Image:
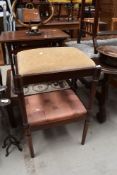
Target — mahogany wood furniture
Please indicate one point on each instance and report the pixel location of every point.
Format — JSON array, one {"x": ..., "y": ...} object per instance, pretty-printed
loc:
[
  {"x": 70, "y": 4},
  {"x": 69, "y": 26},
  {"x": 114, "y": 24},
  {"x": 93, "y": 26},
  {"x": 108, "y": 10},
  {"x": 108, "y": 62},
  {"x": 63, "y": 25},
  {"x": 19, "y": 40},
  {"x": 58, "y": 107},
  {"x": 61, "y": 21}
]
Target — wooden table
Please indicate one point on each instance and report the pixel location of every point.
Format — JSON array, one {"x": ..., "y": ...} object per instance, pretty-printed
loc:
[
  {"x": 109, "y": 72},
  {"x": 20, "y": 40}
]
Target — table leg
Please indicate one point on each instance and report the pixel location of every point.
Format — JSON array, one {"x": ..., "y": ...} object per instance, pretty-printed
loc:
[{"x": 102, "y": 97}]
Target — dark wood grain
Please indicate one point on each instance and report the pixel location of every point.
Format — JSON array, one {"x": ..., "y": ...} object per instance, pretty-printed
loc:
[
  {"x": 110, "y": 72},
  {"x": 21, "y": 40},
  {"x": 46, "y": 34}
]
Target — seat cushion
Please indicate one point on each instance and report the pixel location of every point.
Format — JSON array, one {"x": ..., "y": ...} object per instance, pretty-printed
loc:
[
  {"x": 58, "y": 59},
  {"x": 52, "y": 107}
]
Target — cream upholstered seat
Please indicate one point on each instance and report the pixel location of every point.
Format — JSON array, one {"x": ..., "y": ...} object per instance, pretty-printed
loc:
[{"x": 57, "y": 59}]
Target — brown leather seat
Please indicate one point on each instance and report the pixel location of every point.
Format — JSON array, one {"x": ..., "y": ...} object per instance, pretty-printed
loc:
[{"x": 53, "y": 107}]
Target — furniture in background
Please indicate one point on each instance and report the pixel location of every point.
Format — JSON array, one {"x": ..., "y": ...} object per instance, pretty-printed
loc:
[
  {"x": 72, "y": 8},
  {"x": 6, "y": 24},
  {"x": 108, "y": 62},
  {"x": 58, "y": 107},
  {"x": 108, "y": 10},
  {"x": 19, "y": 40},
  {"x": 114, "y": 24},
  {"x": 91, "y": 28},
  {"x": 65, "y": 17}
]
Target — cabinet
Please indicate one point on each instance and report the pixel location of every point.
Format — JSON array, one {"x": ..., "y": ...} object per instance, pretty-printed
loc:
[{"x": 108, "y": 10}]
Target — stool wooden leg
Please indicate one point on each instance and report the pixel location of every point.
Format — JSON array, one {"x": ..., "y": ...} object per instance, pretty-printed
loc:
[
  {"x": 86, "y": 124},
  {"x": 30, "y": 143},
  {"x": 102, "y": 99}
]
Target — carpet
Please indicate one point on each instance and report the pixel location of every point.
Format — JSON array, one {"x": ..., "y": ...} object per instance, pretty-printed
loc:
[{"x": 87, "y": 45}]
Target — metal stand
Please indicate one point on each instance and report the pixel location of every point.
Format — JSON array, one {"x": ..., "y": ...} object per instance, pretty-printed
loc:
[{"x": 10, "y": 139}]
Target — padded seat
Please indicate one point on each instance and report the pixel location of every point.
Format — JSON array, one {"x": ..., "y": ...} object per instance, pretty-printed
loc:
[
  {"x": 57, "y": 59},
  {"x": 53, "y": 107}
]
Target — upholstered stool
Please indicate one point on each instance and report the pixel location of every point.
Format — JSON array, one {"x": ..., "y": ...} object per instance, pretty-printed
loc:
[
  {"x": 52, "y": 59},
  {"x": 57, "y": 107}
]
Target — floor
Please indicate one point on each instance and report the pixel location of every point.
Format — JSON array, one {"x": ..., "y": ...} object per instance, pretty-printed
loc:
[{"x": 58, "y": 150}]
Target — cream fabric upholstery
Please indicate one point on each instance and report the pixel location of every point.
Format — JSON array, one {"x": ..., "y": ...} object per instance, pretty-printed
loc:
[{"x": 52, "y": 59}]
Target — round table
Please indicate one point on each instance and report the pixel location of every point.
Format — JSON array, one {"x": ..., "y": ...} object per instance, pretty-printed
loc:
[{"x": 108, "y": 62}]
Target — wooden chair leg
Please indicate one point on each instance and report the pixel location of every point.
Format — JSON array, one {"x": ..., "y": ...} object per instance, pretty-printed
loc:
[
  {"x": 30, "y": 143},
  {"x": 79, "y": 36},
  {"x": 86, "y": 124},
  {"x": 95, "y": 45}
]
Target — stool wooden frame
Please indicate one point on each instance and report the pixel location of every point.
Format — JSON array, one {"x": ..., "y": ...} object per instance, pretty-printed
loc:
[{"x": 24, "y": 80}]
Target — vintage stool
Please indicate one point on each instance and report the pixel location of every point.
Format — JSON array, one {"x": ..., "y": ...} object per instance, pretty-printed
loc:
[{"x": 108, "y": 62}]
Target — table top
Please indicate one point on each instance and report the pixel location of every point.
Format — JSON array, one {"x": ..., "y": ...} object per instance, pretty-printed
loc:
[
  {"x": 46, "y": 34},
  {"x": 110, "y": 51}
]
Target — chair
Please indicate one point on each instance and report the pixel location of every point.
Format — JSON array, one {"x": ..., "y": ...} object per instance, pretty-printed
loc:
[
  {"x": 62, "y": 9},
  {"x": 57, "y": 107},
  {"x": 91, "y": 27}
]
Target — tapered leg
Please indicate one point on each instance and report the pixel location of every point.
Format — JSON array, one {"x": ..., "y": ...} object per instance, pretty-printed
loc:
[
  {"x": 95, "y": 45},
  {"x": 86, "y": 124},
  {"x": 30, "y": 143},
  {"x": 102, "y": 97}
]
